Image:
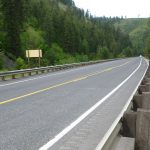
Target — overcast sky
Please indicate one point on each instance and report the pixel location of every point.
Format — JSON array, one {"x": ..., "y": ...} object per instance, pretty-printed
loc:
[{"x": 128, "y": 8}]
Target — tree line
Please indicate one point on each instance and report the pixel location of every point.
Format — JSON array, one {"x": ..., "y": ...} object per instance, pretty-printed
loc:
[
  {"x": 147, "y": 41},
  {"x": 64, "y": 32}
]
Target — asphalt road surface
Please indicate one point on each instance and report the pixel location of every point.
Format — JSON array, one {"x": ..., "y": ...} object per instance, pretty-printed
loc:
[{"x": 66, "y": 110}]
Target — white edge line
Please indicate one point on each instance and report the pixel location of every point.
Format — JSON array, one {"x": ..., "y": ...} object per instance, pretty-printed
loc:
[
  {"x": 111, "y": 129},
  {"x": 83, "y": 116}
]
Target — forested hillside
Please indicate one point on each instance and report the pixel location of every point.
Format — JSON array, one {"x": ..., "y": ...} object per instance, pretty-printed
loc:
[
  {"x": 137, "y": 30},
  {"x": 147, "y": 41},
  {"x": 64, "y": 32}
]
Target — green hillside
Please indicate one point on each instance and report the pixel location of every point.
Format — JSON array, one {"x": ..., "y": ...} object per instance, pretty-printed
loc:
[
  {"x": 137, "y": 30},
  {"x": 65, "y": 33}
]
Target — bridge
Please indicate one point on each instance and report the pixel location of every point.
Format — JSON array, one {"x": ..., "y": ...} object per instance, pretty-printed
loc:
[{"x": 73, "y": 109}]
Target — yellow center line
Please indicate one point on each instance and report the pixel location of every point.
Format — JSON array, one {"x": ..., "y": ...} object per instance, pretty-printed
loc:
[
  {"x": 106, "y": 70},
  {"x": 61, "y": 84}
]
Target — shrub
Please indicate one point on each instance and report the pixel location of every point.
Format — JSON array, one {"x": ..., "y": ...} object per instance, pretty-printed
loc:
[
  {"x": 81, "y": 58},
  {"x": 20, "y": 63},
  {"x": 103, "y": 53},
  {"x": 55, "y": 54}
]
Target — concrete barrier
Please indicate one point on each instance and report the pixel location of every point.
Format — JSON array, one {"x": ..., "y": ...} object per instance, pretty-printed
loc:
[
  {"x": 125, "y": 143},
  {"x": 144, "y": 88},
  {"x": 141, "y": 101},
  {"x": 137, "y": 102},
  {"x": 136, "y": 123},
  {"x": 128, "y": 124},
  {"x": 146, "y": 80},
  {"x": 142, "y": 129}
]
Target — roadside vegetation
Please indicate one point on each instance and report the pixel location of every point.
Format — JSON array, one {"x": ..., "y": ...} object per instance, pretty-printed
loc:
[{"x": 65, "y": 33}]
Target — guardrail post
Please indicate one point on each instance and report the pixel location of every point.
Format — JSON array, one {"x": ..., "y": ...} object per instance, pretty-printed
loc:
[
  {"x": 13, "y": 76},
  {"x": 30, "y": 73},
  {"x": 3, "y": 78},
  {"x": 37, "y": 72},
  {"x": 22, "y": 74}
]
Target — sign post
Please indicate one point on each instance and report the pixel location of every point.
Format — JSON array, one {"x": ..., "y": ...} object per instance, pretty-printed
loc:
[
  {"x": 28, "y": 58},
  {"x": 34, "y": 54}
]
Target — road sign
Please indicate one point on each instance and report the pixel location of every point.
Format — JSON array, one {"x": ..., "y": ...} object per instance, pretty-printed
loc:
[{"x": 34, "y": 54}]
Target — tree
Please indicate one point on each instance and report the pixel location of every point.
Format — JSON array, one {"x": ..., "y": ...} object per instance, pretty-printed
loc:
[
  {"x": 85, "y": 46},
  {"x": 127, "y": 52},
  {"x": 147, "y": 49},
  {"x": 32, "y": 39},
  {"x": 61, "y": 22},
  {"x": 69, "y": 35},
  {"x": 14, "y": 16},
  {"x": 68, "y": 2},
  {"x": 1, "y": 61},
  {"x": 49, "y": 30}
]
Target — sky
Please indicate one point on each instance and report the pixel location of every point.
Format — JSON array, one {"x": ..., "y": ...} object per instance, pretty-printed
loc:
[{"x": 125, "y": 8}]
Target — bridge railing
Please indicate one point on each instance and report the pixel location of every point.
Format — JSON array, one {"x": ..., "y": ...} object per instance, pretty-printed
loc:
[
  {"x": 131, "y": 129},
  {"x": 34, "y": 71}
]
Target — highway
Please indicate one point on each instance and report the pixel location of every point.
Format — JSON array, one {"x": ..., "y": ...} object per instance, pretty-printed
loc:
[{"x": 69, "y": 109}]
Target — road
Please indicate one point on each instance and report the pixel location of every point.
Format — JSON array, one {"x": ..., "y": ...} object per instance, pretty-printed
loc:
[{"x": 66, "y": 110}]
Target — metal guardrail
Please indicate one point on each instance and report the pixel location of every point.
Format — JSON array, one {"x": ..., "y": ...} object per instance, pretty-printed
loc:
[{"x": 22, "y": 73}]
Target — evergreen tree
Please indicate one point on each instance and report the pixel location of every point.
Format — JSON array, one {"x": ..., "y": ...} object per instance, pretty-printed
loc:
[
  {"x": 14, "y": 16},
  {"x": 77, "y": 33},
  {"x": 147, "y": 49},
  {"x": 49, "y": 30},
  {"x": 68, "y": 2}
]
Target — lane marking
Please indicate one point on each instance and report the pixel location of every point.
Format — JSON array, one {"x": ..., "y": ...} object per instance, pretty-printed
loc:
[
  {"x": 61, "y": 84},
  {"x": 40, "y": 77},
  {"x": 89, "y": 111},
  {"x": 39, "y": 91},
  {"x": 79, "y": 79},
  {"x": 106, "y": 70}
]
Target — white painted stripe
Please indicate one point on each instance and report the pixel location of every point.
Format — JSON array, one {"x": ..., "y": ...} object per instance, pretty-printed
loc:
[
  {"x": 112, "y": 127},
  {"x": 83, "y": 116}
]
